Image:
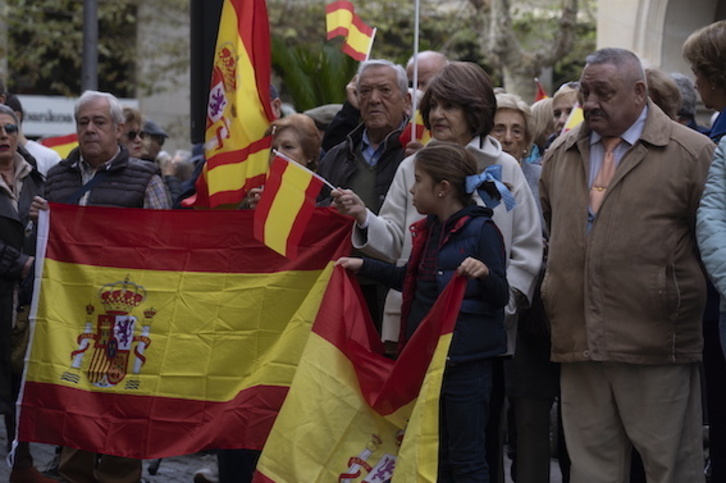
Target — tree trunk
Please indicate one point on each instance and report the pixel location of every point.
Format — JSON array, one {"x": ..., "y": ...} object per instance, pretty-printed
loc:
[{"x": 504, "y": 51}]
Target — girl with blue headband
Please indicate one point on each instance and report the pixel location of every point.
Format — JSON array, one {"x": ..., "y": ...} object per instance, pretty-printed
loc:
[{"x": 456, "y": 238}]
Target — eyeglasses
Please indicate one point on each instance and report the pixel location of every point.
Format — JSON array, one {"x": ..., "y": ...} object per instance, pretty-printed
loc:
[
  {"x": 131, "y": 135},
  {"x": 10, "y": 128},
  {"x": 501, "y": 130}
]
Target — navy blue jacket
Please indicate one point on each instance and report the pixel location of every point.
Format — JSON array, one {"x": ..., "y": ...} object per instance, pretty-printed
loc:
[{"x": 479, "y": 331}]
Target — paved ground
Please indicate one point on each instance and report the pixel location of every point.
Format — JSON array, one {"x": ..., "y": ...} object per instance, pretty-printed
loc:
[{"x": 179, "y": 469}]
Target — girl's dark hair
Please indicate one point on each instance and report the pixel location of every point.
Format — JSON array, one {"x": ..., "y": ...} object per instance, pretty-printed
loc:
[{"x": 450, "y": 162}]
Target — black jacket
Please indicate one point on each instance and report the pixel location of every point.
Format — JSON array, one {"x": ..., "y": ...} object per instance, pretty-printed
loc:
[
  {"x": 124, "y": 186},
  {"x": 339, "y": 164},
  {"x": 17, "y": 244}
]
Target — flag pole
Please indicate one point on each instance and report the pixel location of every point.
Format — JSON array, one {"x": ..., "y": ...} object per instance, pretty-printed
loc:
[
  {"x": 277, "y": 153},
  {"x": 414, "y": 97},
  {"x": 373, "y": 39}
]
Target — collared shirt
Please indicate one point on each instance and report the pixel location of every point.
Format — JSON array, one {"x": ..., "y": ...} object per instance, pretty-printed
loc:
[
  {"x": 597, "y": 152},
  {"x": 630, "y": 137},
  {"x": 370, "y": 154},
  {"x": 156, "y": 196},
  {"x": 88, "y": 172}
]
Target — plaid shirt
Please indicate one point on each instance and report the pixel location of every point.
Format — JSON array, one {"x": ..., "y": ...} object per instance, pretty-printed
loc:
[{"x": 157, "y": 197}]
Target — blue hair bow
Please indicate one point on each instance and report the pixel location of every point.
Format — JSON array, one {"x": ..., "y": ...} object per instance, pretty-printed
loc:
[{"x": 492, "y": 174}]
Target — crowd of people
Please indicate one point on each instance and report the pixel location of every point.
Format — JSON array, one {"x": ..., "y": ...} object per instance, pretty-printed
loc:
[{"x": 594, "y": 254}]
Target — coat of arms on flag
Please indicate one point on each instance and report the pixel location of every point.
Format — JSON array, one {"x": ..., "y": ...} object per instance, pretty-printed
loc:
[{"x": 113, "y": 338}]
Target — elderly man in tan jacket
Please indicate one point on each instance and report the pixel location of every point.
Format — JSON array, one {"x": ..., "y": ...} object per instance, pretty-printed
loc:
[{"x": 624, "y": 288}]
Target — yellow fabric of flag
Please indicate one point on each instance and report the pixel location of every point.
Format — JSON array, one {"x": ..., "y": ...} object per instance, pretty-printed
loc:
[
  {"x": 341, "y": 20},
  {"x": 286, "y": 205},
  {"x": 238, "y": 112},
  {"x": 353, "y": 415},
  {"x": 162, "y": 333},
  {"x": 575, "y": 118}
]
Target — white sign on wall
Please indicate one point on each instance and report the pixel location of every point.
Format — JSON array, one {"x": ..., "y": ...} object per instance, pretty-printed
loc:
[{"x": 47, "y": 116}]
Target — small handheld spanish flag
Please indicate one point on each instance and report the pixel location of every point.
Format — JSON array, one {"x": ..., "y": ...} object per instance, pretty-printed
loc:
[
  {"x": 423, "y": 135},
  {"x": 340, "y": 19},
  {"x": 541, "y": 92},
  {"x": 286, "y": 205},
  {"x": 575, "y": 118}
]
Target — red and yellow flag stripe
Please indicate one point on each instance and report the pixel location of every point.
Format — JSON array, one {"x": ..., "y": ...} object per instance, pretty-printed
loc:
[
  {"x": 286, "y": 205},
  {"x": 223, "y": 321},
  {"x": 341, "y": 20},
  {"x": 239, "y": 112},
  {"x": 350, "y": 409},
  {"x": 63, "y": 145}
]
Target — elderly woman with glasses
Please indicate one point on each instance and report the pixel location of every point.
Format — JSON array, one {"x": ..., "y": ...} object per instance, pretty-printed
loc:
[
  {"x": 531, "y": 379},
  {"x": 132, "y": 136},
  {"x": 19, "y": 183},
  {"x": 458, "y": 106}
]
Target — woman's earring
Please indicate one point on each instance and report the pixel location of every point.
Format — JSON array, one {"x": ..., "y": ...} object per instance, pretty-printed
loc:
[{"x": 441, "y": 194}]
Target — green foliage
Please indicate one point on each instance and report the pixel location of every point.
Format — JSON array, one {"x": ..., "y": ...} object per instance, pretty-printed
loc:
[
  {"x": 313, "y": 76},
  {"x": 45, "y": 46},
  {"x": 315, "y": 72}
]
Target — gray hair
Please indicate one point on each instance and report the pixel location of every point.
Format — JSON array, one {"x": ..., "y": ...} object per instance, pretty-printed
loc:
[
  {"x": 114, "y": 106},
  {"x": 9, "y": 111},
  {"x": 688, "y": 95},
  {"x": 515, "y": 103},
  {"x": 619, "y": 58},
  {"x": 429, "y": 53},
  {"x": 401, "y": 76}
]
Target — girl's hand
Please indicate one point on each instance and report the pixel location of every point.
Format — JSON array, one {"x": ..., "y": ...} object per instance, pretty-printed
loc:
[
  {"x": 349, "y": 203},
  {"x": 473, "y": 268},
  {"x": 350, "y": 263}
]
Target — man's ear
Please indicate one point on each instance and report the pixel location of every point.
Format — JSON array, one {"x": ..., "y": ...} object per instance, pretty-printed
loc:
[{"x": 641, "y": 91}]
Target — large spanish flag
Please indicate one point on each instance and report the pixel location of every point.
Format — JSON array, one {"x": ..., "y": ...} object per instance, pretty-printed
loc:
[
  {"x": 341, "y": 20},
  {"x": 160, "y": 333},
  {"x": 239, "y": 112},
  {"x": 286, "y": 205},
  {"x": 353, "y": 415},
  {"x": 63, "y": 145}
]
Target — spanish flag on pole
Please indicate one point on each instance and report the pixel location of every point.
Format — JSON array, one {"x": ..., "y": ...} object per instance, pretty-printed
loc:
[
  {"x": 353, "y": 415},
  {"x": 541, "y": 92},
  {"x": 239, "y": 112},
  {"x": 423, "y": 135},
  {"x": 575, "y": 118},
  {"x": 286, "y": 205},
  {"x": 341, "y": 20},
  {"x": 162, "y": 333}
]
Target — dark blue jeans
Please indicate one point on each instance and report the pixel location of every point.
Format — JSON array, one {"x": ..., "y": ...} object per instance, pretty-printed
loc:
[{"x": 464, "y": 410}]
